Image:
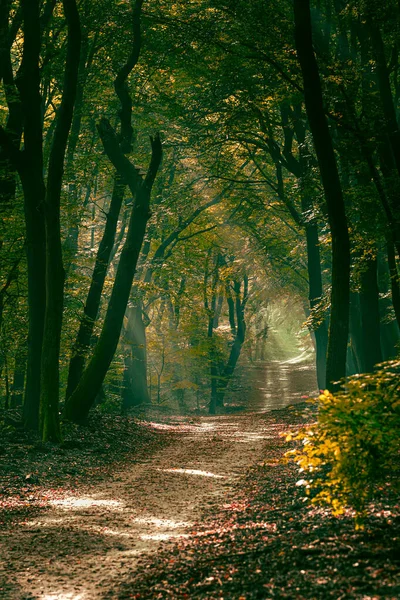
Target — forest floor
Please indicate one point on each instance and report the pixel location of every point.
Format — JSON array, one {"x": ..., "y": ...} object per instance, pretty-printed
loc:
[{"x": 181, "y": 508}]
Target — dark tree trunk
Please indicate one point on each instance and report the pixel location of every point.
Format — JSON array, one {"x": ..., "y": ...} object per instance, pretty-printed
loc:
[
  {"x": 82, "y": 342},
  {"x": 394, "y": 279},
  {"x": 389, "y": 111},
  {"x": 34, "y": 192},
  {"x": 78, "y": 405},
  {"x": 210, "y": 307},
  {"x": 234, "y": 355},
  {"x": 30, "y": 169},
  {"x": 302, "y": 169},
  {"x": 370, "y": 315},
  {"x": 105, "y": 250},
  {"x": 50, "y": 379},
  {"x": 315, "y": 298},
  {"x": 339, "y": 320},
  {"x": 390, "y": 332}
]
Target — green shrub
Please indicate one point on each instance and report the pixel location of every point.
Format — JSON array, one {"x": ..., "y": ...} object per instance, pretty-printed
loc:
[{"x": 353, "y": 448}]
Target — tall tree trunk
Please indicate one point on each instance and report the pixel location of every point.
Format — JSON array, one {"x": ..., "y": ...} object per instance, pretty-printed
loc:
[
  {"x": 34, "y": 192},
  {"x": 234, "y": 355},
  {"x": 394, "y": 279},
  {"x": 30, "y": 169},
  {"x": 370, "y": 315},
  {"x": 78, "y": 405},
  {"x": 315, "y": 298},
  {"x": 391, "y": 125},
  {"x": 105, "y": 250},
  {"x": 340, "y": 296},
  {"x": 49, "y": 392}
]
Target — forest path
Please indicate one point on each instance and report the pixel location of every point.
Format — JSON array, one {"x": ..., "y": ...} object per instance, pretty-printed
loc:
[{"x": 81, "y": 546}]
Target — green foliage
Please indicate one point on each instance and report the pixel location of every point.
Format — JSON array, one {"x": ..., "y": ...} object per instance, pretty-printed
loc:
[{"x": 353, "y": 448}]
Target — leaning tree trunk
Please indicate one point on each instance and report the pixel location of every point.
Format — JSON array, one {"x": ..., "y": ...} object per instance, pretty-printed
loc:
[
  {"x": 78, "y": 405},
  {"x": 339, "y": 320},
  {"x": 82, "y": 342},
  {"x": 85, "y": 332}
]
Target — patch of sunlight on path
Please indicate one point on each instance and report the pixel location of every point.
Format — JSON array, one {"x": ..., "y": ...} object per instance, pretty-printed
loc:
[
  {"x": 194, "y": 472},
  {"x": 63, "y": 596},
  {"x": 73, "y": 502}
]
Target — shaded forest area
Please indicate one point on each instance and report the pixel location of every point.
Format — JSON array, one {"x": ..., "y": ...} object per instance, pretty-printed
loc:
[{"x": 194, "y": 194}]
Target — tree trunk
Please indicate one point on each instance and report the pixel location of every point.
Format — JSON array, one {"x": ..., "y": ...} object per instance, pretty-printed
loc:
[
  {"x": 30, "y": 169},
  {"x": 17, "y": 386},
  {"x": 356, "y": 333},
  {"x": 315, "y": 298},
  {"x": 83, "y": 338},
  {"x": 339, "y": 320},
  {"x": 105, "y": 250},
  {"x": 136, "y": 378},
  {"x": 391, "y": 126},
  {"x": 234, "y": 355},
  {"x": 370, "y": 315},
  {"x": 78, "y": 405},
  {"x": 50, "y": 378},
  {"x": 394, "y": 279}
]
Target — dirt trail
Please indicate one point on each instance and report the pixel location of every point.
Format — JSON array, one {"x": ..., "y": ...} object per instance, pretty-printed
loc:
[{"x": 80, "y": 546}]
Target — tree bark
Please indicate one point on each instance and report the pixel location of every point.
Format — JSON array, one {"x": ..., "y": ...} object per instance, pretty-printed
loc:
[
  {"x": 30, "y": 169},
  {"x": 356, "y": 333},
  {"x": 17, "y": 386},
  {"x": 394, "y": 279},
  {"x": 370, "y": 315},
  {"x": 92, "y": 305},
  {"x": 49, "y": 392},
  {"x": 136, "y": 377},
  {"x": 105, "y": 250},
  {"x": 339, "y": 320},
  {"x": 234, "y": 355}
]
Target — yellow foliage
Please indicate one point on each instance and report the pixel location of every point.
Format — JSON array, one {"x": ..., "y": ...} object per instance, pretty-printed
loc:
[{"x": 354, "y": 445}]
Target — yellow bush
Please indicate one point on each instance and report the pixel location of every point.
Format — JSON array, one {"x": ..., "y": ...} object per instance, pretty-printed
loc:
[{"x": 353, "y": 448}]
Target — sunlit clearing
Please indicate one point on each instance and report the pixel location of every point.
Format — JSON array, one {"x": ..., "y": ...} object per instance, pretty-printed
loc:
[
  {"x": 75, "y": 503},
  {"x": 162, "y": 523},
  {"x": 162, "y": 536},
  {"x": 194, "y": 472}
]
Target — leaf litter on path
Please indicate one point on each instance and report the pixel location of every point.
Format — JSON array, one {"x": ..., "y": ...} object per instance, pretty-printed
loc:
[{"x": 148, "y": 522}]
